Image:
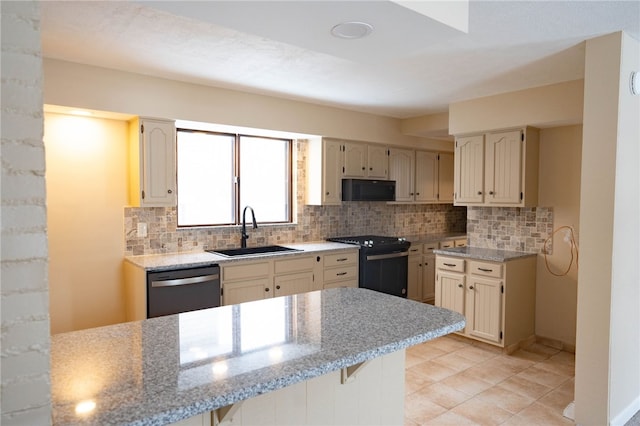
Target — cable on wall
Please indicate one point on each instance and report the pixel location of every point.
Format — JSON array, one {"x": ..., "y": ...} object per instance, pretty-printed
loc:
[{"x": 570, "y": 239}]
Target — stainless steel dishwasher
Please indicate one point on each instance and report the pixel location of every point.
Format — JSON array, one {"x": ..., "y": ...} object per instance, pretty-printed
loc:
[{"x": 182, "y": 290}]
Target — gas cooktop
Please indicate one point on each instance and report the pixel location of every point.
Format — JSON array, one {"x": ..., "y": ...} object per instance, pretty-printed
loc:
[{"x": 371, "y": 240}]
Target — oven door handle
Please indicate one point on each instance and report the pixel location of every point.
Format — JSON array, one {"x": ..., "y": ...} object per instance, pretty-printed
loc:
[
  {"x": 387, "y": 256},
  {"x": 185, "y": 281}
]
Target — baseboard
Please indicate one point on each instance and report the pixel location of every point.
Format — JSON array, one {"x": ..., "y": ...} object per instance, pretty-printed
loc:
[
  {"x": 557, "y": 344},
  {"x": 625, "y": 415}
]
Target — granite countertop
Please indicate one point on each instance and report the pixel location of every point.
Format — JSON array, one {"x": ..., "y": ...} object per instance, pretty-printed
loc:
[
  {"x": 430, "y": 238},
  {"x": 159, "y": 262},
  {"x": 483, "y": 253},
  {"x": 166, "y": 369}
]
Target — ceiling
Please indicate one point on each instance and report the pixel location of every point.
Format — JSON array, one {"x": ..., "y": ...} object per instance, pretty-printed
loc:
[{"x": 410, "y": 65}]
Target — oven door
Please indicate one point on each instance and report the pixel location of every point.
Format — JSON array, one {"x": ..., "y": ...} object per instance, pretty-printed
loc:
[{"x": 385, "y": 272}]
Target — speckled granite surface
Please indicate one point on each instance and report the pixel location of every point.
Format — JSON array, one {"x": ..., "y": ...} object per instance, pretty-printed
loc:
[
  {"x": 159, "y": 262},
  {"x": 166, "y": 369},
  {"x": 483, "y": 253}
]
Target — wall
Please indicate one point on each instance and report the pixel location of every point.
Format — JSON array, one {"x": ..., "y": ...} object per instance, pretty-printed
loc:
[
  {"x": 607, "y": 389},
  {"x": 86, "y": 191},
  {"x": 559, "y": 186},
  {"x": 82, "y": 86},
  {"x": 314, "y": 223},
  {"x": 24, "y": 347}
]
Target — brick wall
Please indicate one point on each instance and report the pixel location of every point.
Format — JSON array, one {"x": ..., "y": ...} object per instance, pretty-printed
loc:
[{"x": 24, "y": 348}]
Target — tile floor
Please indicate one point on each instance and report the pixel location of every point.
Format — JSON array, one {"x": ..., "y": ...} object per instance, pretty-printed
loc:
[{"x": 457, "y": 381}]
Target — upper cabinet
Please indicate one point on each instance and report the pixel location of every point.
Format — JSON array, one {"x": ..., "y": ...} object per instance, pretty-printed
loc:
[
  {"x": 363, "y": 160},
  {"x": 152, "y": 162},
  {"x": 421, "y": 176},
  {"x": 497, "y": 169},
  {"x": 324, "y": 172}
]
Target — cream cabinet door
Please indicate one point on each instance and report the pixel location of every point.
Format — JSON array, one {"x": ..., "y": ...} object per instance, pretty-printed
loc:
[
  {"x": 484, "y": 308},
  {"x": 429, "y": 278},
  {"x": 402, "y": 170},
  {"x": 377, "y": 162},
  {"x": 450, "y": 291},
  {"x": 246, "y": 291},
  {"x": 414, "y": 278},
  {"x": 355, "y": 160},
  {"x": 426, "y": 176},
  {"x": 469, "y": 170},
  {"x": 285, "y": 285},
  {"x": 332, "y": 172},
  {"x": 503, "y": 168},
  {"x": 445, "y": 177}
]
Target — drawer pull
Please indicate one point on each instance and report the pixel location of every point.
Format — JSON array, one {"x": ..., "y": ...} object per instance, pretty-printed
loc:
[
  {"x": 460, "y": 285},
  {"x": 342, "y": 259},
  {"x": 449, "y": 264},
  {"x": 341, "y": 273},
  {"x": 470, "y": 287},
  {"x": 485, "y": 270}
]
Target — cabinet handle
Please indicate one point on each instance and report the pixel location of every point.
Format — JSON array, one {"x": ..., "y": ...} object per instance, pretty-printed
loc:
[
  {"x": 364, "y": 168},
  {"x": 370, "y": 168},
  {"x": 460, "y": 285},
  {"x": 266, "y": 289},
  {"x": 317, "y": 258},
  {"x": 342, "y": 259},
  {"x": 327, "y": 193},
  {"x": 470, "y": 287},
  {"x": 341, "y": 273},
  {"x": 490, "y": 192},
  {"x": 411, "y": 193},
  {"x": 169, "y": 191},
  {"x": 449, "y": 264},
  {"x": 485, "y": 270},
  {"x": 479, "y": 192},
  {"x": 277, "y": 287},
  {"x": 417, "y": 193}
]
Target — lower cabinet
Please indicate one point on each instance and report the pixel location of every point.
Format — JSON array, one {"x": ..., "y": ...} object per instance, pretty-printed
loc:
[
  {"x": 496, "y": 298},
  {"x": 339, "y": 269},
  {"x": 422, "y": 271}
]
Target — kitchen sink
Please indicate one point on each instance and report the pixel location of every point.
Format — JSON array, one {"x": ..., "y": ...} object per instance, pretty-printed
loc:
[{"x": 247, "y": 251}]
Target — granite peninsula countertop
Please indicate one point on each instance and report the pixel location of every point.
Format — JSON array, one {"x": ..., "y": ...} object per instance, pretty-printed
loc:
[
  {"x": 159, "y": 262},
  {"x": 166, "y": 369},
  {"x": 483, "y": 253}
]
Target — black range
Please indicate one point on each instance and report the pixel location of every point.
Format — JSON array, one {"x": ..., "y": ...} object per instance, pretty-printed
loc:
[{"x": 383, "y": 262}]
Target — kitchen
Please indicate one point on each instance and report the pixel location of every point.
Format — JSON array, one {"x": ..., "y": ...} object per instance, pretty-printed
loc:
[{"x": 59, "y": 93}]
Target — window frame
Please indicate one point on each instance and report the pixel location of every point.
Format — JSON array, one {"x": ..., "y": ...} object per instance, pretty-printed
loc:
[{"x": 237, "y": 178}]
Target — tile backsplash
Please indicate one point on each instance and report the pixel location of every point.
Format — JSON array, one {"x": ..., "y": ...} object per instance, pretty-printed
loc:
[
  {"x": 314, "y": 223},
  {"x": 510, "y": 228}
]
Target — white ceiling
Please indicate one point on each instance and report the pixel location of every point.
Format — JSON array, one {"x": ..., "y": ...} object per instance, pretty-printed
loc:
[{"x": 410, "y": 65}]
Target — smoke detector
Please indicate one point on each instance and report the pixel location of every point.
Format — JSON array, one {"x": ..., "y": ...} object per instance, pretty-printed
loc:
[{"x": 352, "y": 30}]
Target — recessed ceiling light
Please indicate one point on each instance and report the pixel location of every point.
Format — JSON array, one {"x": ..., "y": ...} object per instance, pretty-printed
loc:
[{"x": 352, "y": 30}]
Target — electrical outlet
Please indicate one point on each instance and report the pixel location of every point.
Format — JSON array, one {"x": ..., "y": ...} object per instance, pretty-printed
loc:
[{"x": 142, "y": 230}]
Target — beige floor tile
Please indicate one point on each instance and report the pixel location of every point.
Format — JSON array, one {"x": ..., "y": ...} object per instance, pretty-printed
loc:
[
  {"x": 557, "y": 400},
  {"x": 414, "y": 382},
  {"x": 557, "y": 368},
  {"x": 476, "y": 354},
  {"x": 478, "y": 411},
  {"x": 454, "y": 361},
  {"x": 547, "y": 351},
  {"x": 539, "y": 414},
  {"x": 492, "y": 375},
  {"x": 448, "y": 344},
  {"x": 421, "y": 410},
  {"x": 426, "y": 351},
  {"x": 451, "y": 419},
  {"x": 531, "y": 356},
  {"x": 467, "y": 384},
  {"x": 443, "y": 395},
  {"x": 433, "y": 371},
  {"x": 410, "y": 359},
  {"x": 569, "y": 386},
  {"x": 564, "y": 357},
  {"x": 409, "y": 422},
  {"x": 543, "y": 377},
  {"x": 525, "y": 387},
  {"x": 505, "y": 399}
]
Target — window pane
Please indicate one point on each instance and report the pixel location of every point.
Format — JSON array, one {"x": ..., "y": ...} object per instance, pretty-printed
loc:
[
  {"x": 265, "y": 177},
  {"x": 205, "y": 178}
]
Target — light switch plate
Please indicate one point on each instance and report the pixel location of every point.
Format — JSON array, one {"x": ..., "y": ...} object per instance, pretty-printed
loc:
[{"x": 142, "y": 230}]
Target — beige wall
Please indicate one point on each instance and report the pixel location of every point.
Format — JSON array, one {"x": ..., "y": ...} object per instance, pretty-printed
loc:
[
  {"x": 608, "y": 343},
  {"x": 559, "y": 188},
  {"x": 86, "y": 192},
  {"x": 82, "y": 86},
  {"x": 546, "y": 106},
  {"x": 24, "y": 348}
]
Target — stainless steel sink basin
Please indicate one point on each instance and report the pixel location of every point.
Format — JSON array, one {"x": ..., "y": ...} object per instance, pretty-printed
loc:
[{"x": 251, "y": 250}]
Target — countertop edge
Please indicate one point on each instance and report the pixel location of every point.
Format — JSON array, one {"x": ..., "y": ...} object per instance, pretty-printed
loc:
[{"x": 478, "y": 253}]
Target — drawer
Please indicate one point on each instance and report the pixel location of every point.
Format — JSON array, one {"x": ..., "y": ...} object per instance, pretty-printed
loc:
[
  {"x": 242, "y": 271},
  {"x": 345, "y": 258},
  {"x": 461, "y": 242},
  {"x": 296, "y": 264},
  {"x": 486, "y": 269},
  {"x": 430, "y": 247},
  {"x": 450, "y": 264},
  {"x": 340, "y": 274},
  {"x": 447, "y": 244},
  {"x": 342, "y": 284},
  {"x": 415, "y": 249}
]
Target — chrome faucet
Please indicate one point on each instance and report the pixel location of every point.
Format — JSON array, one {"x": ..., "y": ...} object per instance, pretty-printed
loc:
[{"x": 243, "y": 239}]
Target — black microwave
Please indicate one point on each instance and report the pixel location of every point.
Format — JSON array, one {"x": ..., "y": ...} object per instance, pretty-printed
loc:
[{"x": 368, "y": 190}]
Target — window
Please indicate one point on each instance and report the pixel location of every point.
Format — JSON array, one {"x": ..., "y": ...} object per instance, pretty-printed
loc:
[{"x": 221, "y": 173}]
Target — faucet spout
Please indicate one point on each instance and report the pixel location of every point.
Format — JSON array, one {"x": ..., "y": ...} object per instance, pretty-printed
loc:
[{"x": 243, "y": 238}]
